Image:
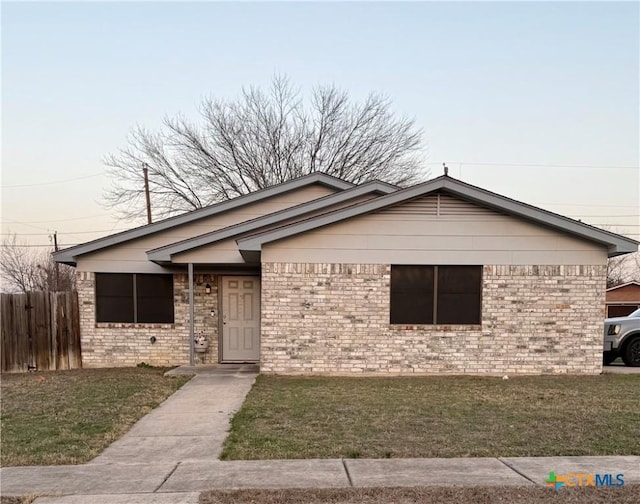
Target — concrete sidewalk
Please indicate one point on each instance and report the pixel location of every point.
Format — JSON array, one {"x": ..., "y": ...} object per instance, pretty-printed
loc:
[{"x": 181, "y": 482}]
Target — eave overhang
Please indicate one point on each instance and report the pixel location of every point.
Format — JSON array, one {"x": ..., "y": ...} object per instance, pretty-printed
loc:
[
  {"x": 69, "y": 255},
  {"x": 616, "y": 244},
  {"x": 163, "y": 255}
]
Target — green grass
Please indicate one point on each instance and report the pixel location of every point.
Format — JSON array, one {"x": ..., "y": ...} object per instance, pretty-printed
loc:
[
  {"x": 322, "y": 417},
  {"x": 68, "y": 417}
]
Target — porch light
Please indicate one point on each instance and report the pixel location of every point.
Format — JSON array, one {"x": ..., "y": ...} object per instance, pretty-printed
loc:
[{"x": 207, "y": 289}]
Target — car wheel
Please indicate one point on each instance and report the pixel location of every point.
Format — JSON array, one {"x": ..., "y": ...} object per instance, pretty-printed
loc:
[
  {"x": 631, "y": 354},
  {"x": 608, "y": 357}
]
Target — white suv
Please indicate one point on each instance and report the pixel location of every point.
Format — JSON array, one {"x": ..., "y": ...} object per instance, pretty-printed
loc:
[{"x": 622, "y": 339}]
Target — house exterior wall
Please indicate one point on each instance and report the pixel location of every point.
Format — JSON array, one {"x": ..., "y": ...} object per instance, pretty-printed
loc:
[
  {"x": 126, "y": 344},
  {"x": 226, "y": 251},
  {"x": 131, "y": 256},
  {"x": 626, "y": 294},
  {"x": 622, "y": 300},
  {"x": 449, "y": 230},
  {"x": 334, "y": 318}
]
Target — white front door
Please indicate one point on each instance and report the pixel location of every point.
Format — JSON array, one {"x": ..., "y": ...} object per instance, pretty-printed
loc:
[{"x": 240, "y": 319}]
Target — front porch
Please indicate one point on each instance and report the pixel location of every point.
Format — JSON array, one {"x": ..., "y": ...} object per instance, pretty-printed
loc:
[
  {"x": 214, "y": 369},
  {"x": 228, "y": 316}
]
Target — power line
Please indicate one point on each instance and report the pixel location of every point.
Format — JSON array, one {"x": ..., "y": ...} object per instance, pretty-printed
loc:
[
  {"x": 602, "y": 216},
  {"x": 66, "y": 233},
  {"x": 587, "y": 205},
  {"x": 51, "y": 182},
  {"x": 31, "y": 245},
  {"x": 618, "y": 225},
  {"x": 127, "y": 229},
  {"x": 537, "y": 165},
  {"x": 56, "y": 220}
]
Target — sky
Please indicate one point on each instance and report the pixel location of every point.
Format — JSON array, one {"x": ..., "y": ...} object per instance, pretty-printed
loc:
[{"x": 537, "y": 101}]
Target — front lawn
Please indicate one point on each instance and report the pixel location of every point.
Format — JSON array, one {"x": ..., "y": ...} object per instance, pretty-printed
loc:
[
  {"x": 332, "y": 417},
  {"x": 68, "y": 417},
  {"x": 426, "y": 495}
]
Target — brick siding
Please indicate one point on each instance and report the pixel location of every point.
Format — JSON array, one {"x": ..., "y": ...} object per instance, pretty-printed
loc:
[
  {"x": 126, "y": 344},
  {"x": 334, "y": 318}
]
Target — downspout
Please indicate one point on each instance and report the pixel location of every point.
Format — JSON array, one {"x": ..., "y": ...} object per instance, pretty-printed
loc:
[{"x": 191, "y": 317}]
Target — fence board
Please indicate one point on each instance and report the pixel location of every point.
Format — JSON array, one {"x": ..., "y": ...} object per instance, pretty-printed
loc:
[
  {"x": 74, "y": 348},
  {"x": 40, "y": 329}
]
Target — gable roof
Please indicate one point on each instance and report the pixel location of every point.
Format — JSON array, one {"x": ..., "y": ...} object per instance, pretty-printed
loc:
[
  {"x": 623, "y": 285},
  {"x": 163, "y": 254},
  {"x": 251, "y": 246},
  {"x": 69, "y": 255}
]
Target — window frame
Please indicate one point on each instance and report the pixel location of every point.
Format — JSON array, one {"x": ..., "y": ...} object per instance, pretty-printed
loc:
[
  {"x": 434, "y": 295},
  {"x": 135, "y": 301}
]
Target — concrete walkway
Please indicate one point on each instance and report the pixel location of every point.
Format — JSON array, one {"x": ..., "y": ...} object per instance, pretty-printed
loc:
[
  {"x": 171, "y": 455},
  {"x": 180, "y": 483},
  {"x": 189, "y": 426}
]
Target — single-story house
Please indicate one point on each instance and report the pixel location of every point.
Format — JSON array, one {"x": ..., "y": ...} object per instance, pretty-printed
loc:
[
  {"x": 317, "y": 275},
  {"x": 623, "y": 299}
]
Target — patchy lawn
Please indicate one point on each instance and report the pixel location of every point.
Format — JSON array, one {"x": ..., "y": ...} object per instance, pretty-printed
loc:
[
  {"x": 332, "y": 417},
  {"x": 27, "y": 499},
  {"x": 68, "y": 417},
  {"x": 427, "y": 495}
]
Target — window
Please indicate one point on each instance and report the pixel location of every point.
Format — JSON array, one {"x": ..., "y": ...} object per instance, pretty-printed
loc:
[
  {"x": 134, "y": 298},
  {"x": 154, "y": 298},
  {"x": 436, "y": 294}
]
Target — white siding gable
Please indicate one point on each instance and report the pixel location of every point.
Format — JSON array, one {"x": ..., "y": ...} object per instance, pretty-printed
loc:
[
  {"x": 130, "y": 257},
  {"x": 435, "y": 229}
]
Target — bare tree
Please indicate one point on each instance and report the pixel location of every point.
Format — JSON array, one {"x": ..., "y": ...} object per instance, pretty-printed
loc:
[
  {"x": 258, "y": 140},
  {"x": 622, "y": 269},
  {"x": 25, "y": 270},
  {"x": 616, "y": 271}
]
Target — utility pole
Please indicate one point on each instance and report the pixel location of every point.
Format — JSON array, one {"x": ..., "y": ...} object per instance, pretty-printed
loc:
[
  {"x": 145, "y": 170},
  {"x": 57, "y": 266}
]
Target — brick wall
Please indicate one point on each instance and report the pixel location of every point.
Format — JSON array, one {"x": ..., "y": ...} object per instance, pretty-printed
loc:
[
  {"x": 334, "y": 318},
  {"x": 626, "y": 294},
  {"x": 123, "y": 344}
]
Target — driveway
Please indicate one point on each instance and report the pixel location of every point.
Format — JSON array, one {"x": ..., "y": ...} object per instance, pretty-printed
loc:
[{"x": 620, "y": 368}]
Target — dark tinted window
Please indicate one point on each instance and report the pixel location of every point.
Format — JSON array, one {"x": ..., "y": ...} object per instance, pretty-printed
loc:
[
  {"x": 127, "y": 297},
  {"x": 114, "y": 297},
  {"x": 459, "y": 291},
  {"x": 412, "y": 294},
  {"x": 454, "y": 291},
  {"x": 155, "y": 298}
]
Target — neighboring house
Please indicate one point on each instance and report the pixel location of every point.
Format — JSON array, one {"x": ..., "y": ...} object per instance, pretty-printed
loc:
[
  {"x": 623, "y": 299},
  {"x": 317, "y": 275}
]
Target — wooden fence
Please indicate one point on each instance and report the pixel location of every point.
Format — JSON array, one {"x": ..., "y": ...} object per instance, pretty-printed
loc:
[{"x": 40, "y": 330}]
